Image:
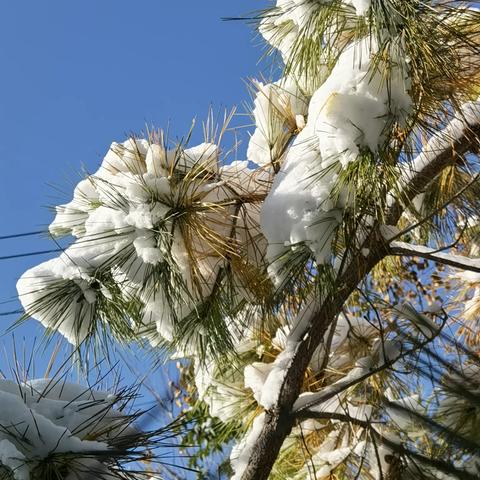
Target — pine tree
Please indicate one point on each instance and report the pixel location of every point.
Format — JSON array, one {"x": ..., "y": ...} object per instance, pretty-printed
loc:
[{"x": 324, "y": 294}]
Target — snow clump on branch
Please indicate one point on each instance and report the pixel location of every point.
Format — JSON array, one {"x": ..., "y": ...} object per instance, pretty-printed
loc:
[
  {"x": 158, "y": 231},
  {"x": 348, "y": 116},
  {"x": 54, "y": 429}
]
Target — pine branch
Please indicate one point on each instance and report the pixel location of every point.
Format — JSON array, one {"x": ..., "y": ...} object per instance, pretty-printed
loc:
[
  {"x": 278, "y": 420},
  {"x": 395, "y": 447},
  {"x": 349, "y": 381},
  {"x": 458, "y": 138},
  {"x": 457, "y": 261}
]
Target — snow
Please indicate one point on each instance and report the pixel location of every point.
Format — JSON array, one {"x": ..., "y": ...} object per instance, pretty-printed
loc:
[
  {"x": 266, "y": 380},
  {"x": 91, "y": 469},
  {"x": 59, "y": 295},
  {"x": 147, "y": 249},
  {"x": 39, "y": 431},
  {"x": 292, "y": 20},
  {"x": 70, "y": 218},
  {"x": 157, "y": 312},
  {"x": 279, "y": 341},
  {"x": 436, "y": 306},
  {"x": 422, "y": 323},
  {"x": 377, "y": 457},
  {"x": 361, "y": 6},
  {"x": 455, "y": 408},
  {"x": 398, "y": 412},
  {"x": 329, "y": 455},
  {"x": 467, "y": 116},
  {"x": 256, "y": 375},
  {"x": 355, "y": 105},
  {"x": 349, "y": 112},
  {"x": 241, "y": 452},
  {"x": 326, "y": 461},
  {"x": 389, "y": 232},
  {"x": 469, "y": 277},
  {"x": 298, "y": 208},
  {"x": 274, "y": 381},
  {"x": 317, "y": 400},
  {"x": 457, "y": 261},
  {"x": 136, "y": 214},
  {"x": 278, "y": 108},
  {"x": 280, "y": 28},
  {"x": 223, "y": 387},
  {"x": 45, "y": 417},
  {"x": 13, "y": 459},
  {"x": 124, "y": 158},
  {"x": 352, "y": 335}
]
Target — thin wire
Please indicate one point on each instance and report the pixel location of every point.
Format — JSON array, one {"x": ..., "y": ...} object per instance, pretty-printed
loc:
[
  {"x": 13, "y": 299},
  {"x": 42, "y": 252},
  {"x": 13, "y": 312},
  {"x": 17, "y": 235},
  {"x": 19, "y": 255}
]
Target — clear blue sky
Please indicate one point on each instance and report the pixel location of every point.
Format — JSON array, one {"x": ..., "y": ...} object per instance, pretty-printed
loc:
[{"x": 77, "y": 75}]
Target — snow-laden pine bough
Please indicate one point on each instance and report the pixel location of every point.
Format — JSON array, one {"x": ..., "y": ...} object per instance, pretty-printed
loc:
[
  {"x": 51, "y": 428},
  {"x": 311, "y": 286},
  {"x": 167, "y": 244}
]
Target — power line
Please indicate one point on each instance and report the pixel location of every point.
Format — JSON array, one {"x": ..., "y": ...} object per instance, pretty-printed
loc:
[
  {"x": 17, "y": 235},
  {"x": 42, "y": 252},
  {"x": 19, "y": 255},
  {"x": 13, "y": 299},
  {"x": 13, "y": 312}
]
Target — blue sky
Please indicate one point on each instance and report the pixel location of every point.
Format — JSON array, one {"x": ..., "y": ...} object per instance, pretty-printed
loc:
[{"x": 79, "y": 75}]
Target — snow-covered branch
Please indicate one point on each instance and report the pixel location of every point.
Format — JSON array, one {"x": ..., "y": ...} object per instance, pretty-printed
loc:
[
  {"x": 457, "y": 261},
  {"x": 388, "y": 442},
  {"x": 278, "y": 420},
  {"x": 175, "y": 246},
  {"x": 459, "y": 137},
  {"x": 341, "y": 417}
]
